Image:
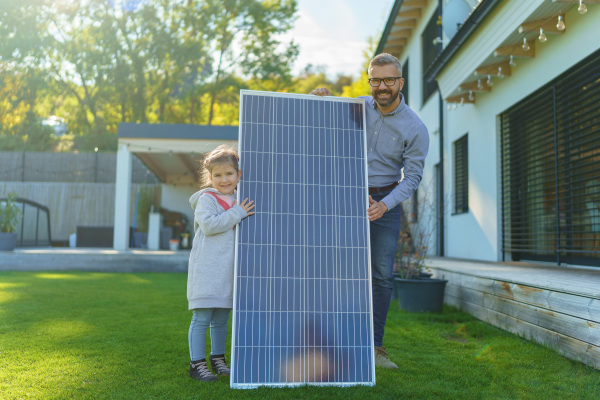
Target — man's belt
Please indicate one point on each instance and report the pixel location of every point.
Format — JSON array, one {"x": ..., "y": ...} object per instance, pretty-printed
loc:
[{"x": 375, "y": 190}]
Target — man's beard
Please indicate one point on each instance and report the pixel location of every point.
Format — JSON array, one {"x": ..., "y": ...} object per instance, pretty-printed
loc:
[{"x": 389, "y": 100}]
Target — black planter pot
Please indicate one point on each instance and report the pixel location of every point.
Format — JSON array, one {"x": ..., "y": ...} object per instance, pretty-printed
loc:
[
  {"x": 140, "y": 239},
  {"x": 8, "y": 241},
  {"x": 421, "y": 275},
  {"x": 420, "y": 294}
]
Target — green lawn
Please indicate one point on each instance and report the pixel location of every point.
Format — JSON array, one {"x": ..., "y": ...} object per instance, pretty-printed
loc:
[{"x": 124, "y": 336}]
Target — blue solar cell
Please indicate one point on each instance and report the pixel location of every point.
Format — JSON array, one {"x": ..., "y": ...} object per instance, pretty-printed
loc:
[{"x": 302, "y": 306}]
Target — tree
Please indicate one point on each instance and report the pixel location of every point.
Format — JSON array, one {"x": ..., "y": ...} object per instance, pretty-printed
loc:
[
  {"x": 103, "y": 62},
  {"x": 253, "y": 25},
  {"x": 360, "y": 87}
]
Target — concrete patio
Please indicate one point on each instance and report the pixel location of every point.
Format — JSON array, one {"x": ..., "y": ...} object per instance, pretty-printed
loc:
[{"x": 93, "y": 259}]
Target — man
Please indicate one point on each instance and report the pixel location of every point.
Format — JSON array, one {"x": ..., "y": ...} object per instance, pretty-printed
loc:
[{"x": 396, "y": 139}]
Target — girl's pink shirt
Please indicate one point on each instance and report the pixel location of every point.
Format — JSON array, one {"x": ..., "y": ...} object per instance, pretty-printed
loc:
[{"x": 225, "y": 198}]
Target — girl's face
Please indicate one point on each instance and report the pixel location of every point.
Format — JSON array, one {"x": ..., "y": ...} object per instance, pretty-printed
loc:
[{"x": 225, "y": 177}]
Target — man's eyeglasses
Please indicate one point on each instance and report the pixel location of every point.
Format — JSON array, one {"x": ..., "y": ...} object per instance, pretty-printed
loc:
[{"x": 389, "y": 81}]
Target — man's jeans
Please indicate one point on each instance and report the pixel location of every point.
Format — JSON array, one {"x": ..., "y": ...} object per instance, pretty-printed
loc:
[{"x": 384, "y": 241}]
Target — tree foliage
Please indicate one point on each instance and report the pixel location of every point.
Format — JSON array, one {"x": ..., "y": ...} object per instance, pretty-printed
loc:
[
  {"x": 102, "y": 62},
  {"x": 97, "y": 63},
  {"x": 360, "y": 87}
]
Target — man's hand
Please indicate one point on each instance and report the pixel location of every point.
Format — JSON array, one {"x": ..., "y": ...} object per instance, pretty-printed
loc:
[
  {"x": 376, "y": 209},
  {"x": 321, "y": 92}
]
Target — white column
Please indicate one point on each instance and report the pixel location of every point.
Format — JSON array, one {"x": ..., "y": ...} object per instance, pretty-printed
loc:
[
  {"x": 122, "y": 199},
  {"x": 154, "y": 222}
]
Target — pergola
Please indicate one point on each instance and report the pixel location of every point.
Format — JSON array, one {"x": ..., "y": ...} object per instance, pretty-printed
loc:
[{"x": 169, "y": 151}]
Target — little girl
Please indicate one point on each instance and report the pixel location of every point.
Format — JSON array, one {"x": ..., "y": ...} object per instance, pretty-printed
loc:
[{"x": 210, "y": 271}]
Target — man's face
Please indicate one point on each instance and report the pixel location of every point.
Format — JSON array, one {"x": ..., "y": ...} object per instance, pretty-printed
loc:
[{"x": 382, "y": 94}]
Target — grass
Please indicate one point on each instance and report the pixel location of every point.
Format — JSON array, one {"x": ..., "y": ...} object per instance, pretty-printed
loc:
[{"x": 80, "y": 335}]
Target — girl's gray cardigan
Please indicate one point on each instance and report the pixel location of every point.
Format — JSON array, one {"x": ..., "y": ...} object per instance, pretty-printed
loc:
[{"x": 210, "y": 269}]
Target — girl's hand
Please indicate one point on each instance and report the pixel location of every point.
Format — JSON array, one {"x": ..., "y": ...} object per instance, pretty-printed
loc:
[{"x": 246, "y": 205}]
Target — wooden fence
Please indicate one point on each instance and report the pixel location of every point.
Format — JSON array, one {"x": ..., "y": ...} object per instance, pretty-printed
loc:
[
  {"x": 67, "y": 167},
  {"x": 72, "y": 204},
  {"x": 78, "y": 188}
]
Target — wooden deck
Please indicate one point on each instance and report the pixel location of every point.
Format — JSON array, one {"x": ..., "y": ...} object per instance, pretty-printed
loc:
[{"x": 558, "y": 307}]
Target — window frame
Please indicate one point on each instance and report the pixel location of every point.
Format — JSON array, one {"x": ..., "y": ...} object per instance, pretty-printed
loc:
[
  {"x": 429, "y": 53},
  {"x": 460, "y": 181}
]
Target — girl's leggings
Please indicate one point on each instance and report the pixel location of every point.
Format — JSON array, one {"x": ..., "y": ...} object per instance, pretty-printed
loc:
[{"x": 202, "y": 319}]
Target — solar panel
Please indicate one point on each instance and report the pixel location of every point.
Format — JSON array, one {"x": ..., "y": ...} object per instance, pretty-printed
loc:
[{"x": 302, "y": 309}]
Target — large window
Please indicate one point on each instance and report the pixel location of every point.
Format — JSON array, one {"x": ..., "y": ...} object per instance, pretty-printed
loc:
[
  {"x": 461, "y": 175},
  {"x": 551, "y": 170},
  {"x": 430, "y": 52}
]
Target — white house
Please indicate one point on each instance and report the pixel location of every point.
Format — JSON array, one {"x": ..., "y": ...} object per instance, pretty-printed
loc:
[
  {"x": 514, "y": 162},
  {"x": 510, "y": 92}
]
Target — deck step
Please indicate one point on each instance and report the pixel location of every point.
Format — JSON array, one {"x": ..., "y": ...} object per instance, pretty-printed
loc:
[{"x": 555, "y": 306}]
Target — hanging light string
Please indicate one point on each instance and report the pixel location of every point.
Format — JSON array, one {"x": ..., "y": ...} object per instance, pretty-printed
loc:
[{"x": 560, "y": 26}]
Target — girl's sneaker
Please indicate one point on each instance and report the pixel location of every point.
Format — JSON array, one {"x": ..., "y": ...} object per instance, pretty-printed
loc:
[
  {"x": 219, "y": 365},
  {"x": 199, "y": 370}
]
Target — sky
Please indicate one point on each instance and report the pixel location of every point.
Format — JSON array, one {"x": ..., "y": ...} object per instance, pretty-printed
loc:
[{"x": 334, "y": 33}]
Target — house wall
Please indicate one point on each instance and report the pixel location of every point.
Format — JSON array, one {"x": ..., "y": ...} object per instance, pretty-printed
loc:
[
  {"x": 176, "y": 198},
  {"x": 428, "y": 111},
  {"x": 477, "y": 234}
]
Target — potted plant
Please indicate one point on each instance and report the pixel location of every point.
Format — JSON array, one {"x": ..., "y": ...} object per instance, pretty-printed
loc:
[
  {"x": 144, "y": 205},
  {"x": 410, "y": 255},
  {"x": 413, "y": 286},
  {"x": 9, "y": 215}
]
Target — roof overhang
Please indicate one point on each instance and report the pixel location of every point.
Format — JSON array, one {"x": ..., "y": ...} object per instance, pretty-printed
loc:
[
  {"x": 483, "y": 46},
  {"x": 494, "y": 46},
  {"x": 173, "y": 151},
  {"x": 400, "y": 26}
]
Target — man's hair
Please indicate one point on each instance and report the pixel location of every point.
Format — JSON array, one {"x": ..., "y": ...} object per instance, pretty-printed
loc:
[{"x": 386, "y": 59}]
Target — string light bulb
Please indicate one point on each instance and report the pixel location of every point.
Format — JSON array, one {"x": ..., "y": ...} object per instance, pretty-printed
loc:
[
  {"x": 582, "y": 8},
  {"x": 542, "y": 38},
  {"x": 561, "y": 23},
  {"x": 500, "y": 75},
  {"x": 489, "y": 81},
  {"x": 449, "y": 106},
  {"x": 455, "y": 106},
  {"x": 512, "y": 62},
  {"x": 525, "y": 44},
  {"x": 462, "y": 101},
  {"x": 471, "y": 95},
  {"x": 479, "y": 84}
]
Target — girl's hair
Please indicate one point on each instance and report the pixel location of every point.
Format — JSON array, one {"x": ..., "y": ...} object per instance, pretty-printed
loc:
[{"x": 221, "y": 155}]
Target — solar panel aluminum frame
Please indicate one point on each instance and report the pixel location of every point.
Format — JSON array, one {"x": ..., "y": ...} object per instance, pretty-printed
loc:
[{"x": 370, "y": 356}]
